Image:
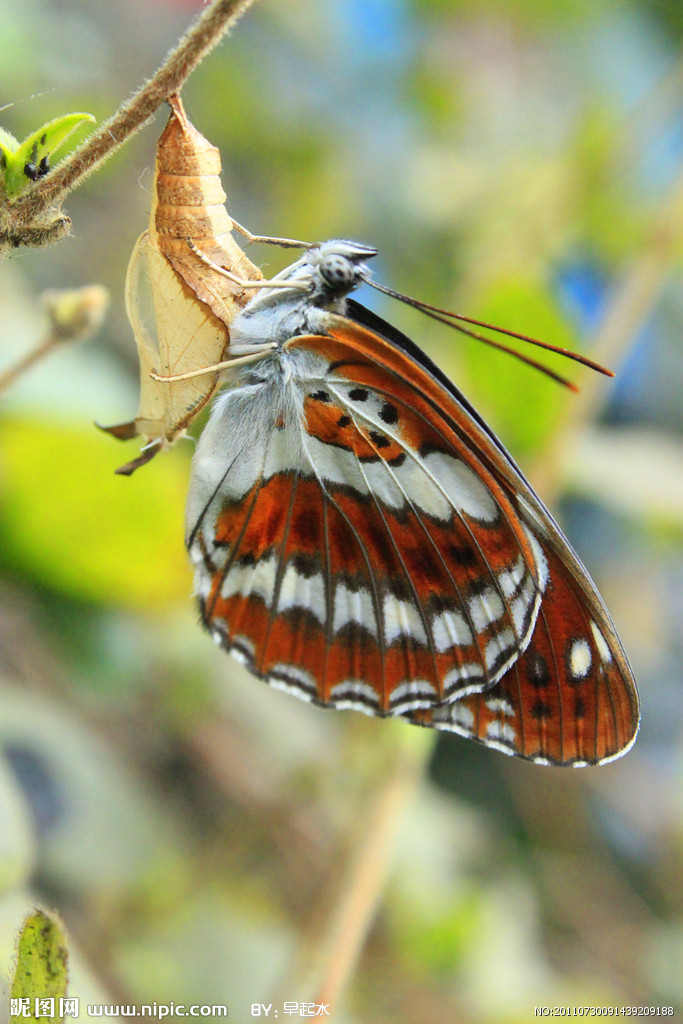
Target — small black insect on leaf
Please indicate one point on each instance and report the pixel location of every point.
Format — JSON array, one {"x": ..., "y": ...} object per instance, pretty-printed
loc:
[{"x": 33, "y": 171}]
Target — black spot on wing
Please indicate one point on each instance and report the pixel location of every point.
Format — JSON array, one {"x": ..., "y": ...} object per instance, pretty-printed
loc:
[
  {"x": 389, "y": 413},
  {"x": 538, "y": 673},
  {"x": 306, "y": 565},
  {"x": 462, "y": 555}
]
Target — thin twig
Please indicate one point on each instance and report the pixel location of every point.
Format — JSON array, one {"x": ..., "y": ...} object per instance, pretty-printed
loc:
[
  {"x": 370, "y": 865},
  {"x": 49, "y": 192},
  {"x": 13, "y": 373},
  {"x": 337, "y": 946},
  {"x": 75, "y": 315}
]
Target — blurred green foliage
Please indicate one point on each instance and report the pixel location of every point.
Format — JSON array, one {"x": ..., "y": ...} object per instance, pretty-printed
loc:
[
  {"x": 511, "y": 161},
  {"x": 61, "y": 496}
]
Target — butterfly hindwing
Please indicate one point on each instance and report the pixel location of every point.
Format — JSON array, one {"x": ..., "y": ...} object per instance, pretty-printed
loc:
[{"x": 568, "y": 700}]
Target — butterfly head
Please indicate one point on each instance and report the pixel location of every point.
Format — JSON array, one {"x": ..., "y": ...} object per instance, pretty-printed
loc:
[
  {"x": 330, "y": 270},
  {"x": 338, "y": 267}
]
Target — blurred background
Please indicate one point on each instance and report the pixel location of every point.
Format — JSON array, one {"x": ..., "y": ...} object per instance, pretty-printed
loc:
[{"x": 516, "y": 160}]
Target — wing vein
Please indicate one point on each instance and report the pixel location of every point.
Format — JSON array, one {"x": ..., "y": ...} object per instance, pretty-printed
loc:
[
  {"x": 433, "y": 479},
  {"x": 368, "y": 562}
]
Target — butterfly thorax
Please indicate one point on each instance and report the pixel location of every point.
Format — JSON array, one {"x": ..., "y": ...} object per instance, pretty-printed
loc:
[{"x": 321, "y": 281}]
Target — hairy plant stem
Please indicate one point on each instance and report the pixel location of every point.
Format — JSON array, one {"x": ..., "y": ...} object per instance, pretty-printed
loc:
[{"x": 35, "y": 218}]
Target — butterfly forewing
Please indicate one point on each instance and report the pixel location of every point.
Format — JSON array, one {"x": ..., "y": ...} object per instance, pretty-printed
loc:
[{"x": 365, "y": 556}]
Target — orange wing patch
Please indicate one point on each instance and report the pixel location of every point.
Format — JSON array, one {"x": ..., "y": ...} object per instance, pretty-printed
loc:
[{"x": 330, "y": 423}]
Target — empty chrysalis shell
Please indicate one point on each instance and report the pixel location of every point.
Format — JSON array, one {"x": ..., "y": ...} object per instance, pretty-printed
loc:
[{"x": 180, "y": 308}]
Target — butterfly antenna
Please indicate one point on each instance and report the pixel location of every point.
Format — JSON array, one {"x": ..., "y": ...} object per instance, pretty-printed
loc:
[
  {"x": 527, "y": 360},
  {"x": 456, "y": 320}
]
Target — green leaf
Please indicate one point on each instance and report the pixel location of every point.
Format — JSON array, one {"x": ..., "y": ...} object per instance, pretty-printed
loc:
[
  {"x": 70, "y": 523},
  {"x": 42, "y": 965},
  {"x": 23, "y": 162},
  {"x": 7, "y": 140}
]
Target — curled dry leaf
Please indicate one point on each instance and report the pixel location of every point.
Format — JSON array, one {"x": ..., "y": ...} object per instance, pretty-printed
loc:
[{"x": 179, "y": 307}]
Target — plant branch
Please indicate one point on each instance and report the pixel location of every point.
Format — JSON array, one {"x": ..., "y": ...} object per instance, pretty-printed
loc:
[
  {"x": 324, "y": 962},
  {"x": 46, "y": 195},
  {"x": 634, "y": 296},
  {"x": 369, "y": 864},
  {"x": 74, "y": 314}
]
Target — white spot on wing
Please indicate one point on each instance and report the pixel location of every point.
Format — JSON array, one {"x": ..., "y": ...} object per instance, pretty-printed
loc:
[
  {"x": 291, "y": 688},
  {"x": 298, "y": 591},
  {"x": 343, "y": 695},
  {"x": 510, "y": 579},
  {"x": 580, "y": 658},
  {"x": 601, "y": 644},
  {"x": 499, "y": 705},
  {"x": 522, "y": 605},
  {"x": 337, "y": 466},
  {"x": 353, "y": 606},
  {"x": 389, "y": 485},
  {"x": 450, "y": 629},
  {"x": 485, "y": 608},
  {"x": 401, "y": 618},
  {"x": 501, "y": 731},
  {"x": 202, "y": 582},
  {"x": 462, "y": 487},
  {"x": 258, "y": 580},
  {"x": 541, "y": 560},
  {"x": 502, "y": 643},
  {"x": 293, "y": 679},
  {"x": 458, "y": 675},
  {"x": 455, "y": 714},
  {"x": 243, "y": 649},
  {"x": 418, "y": 693}
]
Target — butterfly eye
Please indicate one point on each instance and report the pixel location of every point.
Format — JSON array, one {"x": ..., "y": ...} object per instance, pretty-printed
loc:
[{"x": 337, "y": 272}]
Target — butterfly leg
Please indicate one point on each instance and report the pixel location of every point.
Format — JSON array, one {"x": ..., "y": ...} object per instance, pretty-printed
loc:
[
  {"x": 296, "y": 285},
  {"x": 286, "y": 243},
  {"x": 245, "y": 354}
]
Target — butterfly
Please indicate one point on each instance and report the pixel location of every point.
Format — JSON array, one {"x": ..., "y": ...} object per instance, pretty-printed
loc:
[{"x": 362, "y": 539}]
